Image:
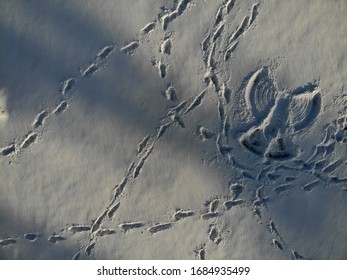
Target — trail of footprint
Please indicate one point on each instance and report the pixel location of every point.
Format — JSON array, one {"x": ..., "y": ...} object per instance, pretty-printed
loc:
[
  {"x": 135, "y": 170},
  {"x": 182, "y": 6},
  {"x": 32, "y": 237},
  {"x": 282, "y": 188},
  {"x": 167, "y": 19},
  {"x": 97, "y": 223},
  {"x": 254, "y": 14},
  {"x": 79, "y": 228},
  {"x": 219, "y": 15},
  {"x": 159, "y": 227},
  {"x": 210, "y": 215},
  {"x": 105, "y": 52},
  {"x": 172, "y": 15},
  {"x": 331, "y": 167},
  {"x": 263, "y": 172},
  {"x": 277, "y": 244},
  {"x": 200, "y": 252},
  {"x": 181, "y": 214},
  {"x": 245, "y": 24},
  {"x": 162, "y": 68},
  {"x": 214, "y": 205},
  {"x": 60, "y": 108},
  {"x": 113, "y": 210},
  {"x": 30, "y": 139},
  {"x": 281, "y": 244},
  {"x": 273, "y": 228},
  {"x": 236, "y": 189},
  {"x": 119, "y": 188},
  {"x": 210, "y": 60},
  {"x": 240, "y": 30},
  {"x": 166, "y": 46},
  {"x": 138, "y": 168},
  {"x": 170, "y": 93},
  {"x": 89, "y": 248},
  {"x": 309, "y": 186},
  {"x": 177, "y": 119},
  {"x": 91, "y": 69},
  {"x": 162, "y": 130},
  {"x": 218, "y": 32},
  {"x": 143, "y": 144},
  {"x": 260, "y": 199},
  {"x": 230, "y": 50},
  {"x": 229, "y": 6},
  {"x": 130, "y": 48},
  {"x": 105, "y": 232},
  {"x": 135, "y": 167},
  {"x": 213, "y": 234},
  {"x": 142, "y": 161},
  {"x": 55, "y": 238},
  {"x": 68, "y": 84},
  {"x": 178, "y": 108},
  {"x": 7, "y": 241},
  {"x": 211, "y": 78},
  {"x": 129, "y": 226},
  {"x": 232, "y": 203},
  {"x": 196, "y": 102},
  {"x": 40, "y": 119},
  {"x": 149, "y": 27},
  {"x": 8, "y": 150}
]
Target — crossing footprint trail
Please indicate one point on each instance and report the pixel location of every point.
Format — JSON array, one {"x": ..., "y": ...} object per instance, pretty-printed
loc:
[{"x": 275, "y": 116}]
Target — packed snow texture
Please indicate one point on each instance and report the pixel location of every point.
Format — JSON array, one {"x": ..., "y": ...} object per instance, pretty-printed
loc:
[{"x": 173, "y": 129}]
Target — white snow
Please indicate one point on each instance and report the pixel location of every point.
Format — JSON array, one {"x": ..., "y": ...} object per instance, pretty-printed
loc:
[{"x": 167, "y": 129}]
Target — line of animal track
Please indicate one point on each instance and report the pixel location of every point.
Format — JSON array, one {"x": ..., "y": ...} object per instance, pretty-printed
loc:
[
  {"x": 223, "y": 97},
  {"x": 209, "y": 46},
  {"x": 321, "y": 168},
  {"x": 213, "y": 59},
  {"x": 259, "y": 210},
  {"x": 161, "y": 62},
  {"x": 67, "y": 86},
  {"x": 145, "y": 147},
  {"x": 175, "y": 115},
  {"x": 165, "y": 48},
  {"x": 214, "y": 209},
  {"x": 66, "y": 90}
]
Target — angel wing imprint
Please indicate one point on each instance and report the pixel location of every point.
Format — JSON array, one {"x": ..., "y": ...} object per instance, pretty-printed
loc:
[{"x": 277, "y": 113}]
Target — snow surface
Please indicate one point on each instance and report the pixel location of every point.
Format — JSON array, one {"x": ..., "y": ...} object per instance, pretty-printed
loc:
[{"x": 166, "y": 129}]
